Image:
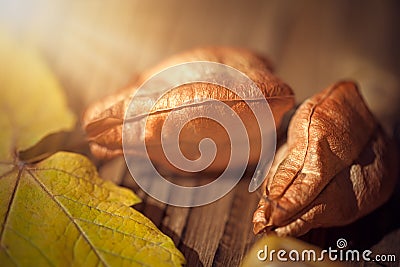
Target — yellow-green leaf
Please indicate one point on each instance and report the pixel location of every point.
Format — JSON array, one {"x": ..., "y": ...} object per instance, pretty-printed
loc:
[
  {"x": 59, "y": 212},
  {"x": 32, "y": 103}
]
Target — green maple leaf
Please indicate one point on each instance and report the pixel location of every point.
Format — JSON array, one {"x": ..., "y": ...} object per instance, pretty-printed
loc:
[{"x": 59, "y": 212}]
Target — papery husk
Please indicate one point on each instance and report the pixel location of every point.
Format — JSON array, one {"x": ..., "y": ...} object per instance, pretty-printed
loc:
[
  {"x": 336, "y": 166},
  {"x": 103, "y": 121}
]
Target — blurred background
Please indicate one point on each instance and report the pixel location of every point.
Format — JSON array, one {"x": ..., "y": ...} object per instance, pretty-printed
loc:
[{"x": 97, "y": 47}]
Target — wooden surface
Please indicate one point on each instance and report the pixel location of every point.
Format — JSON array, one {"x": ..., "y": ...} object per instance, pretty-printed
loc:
[
  {"x": 220, "y": 233},
  {"x": 96, "y": 47},
  {"x": 216, "y": 234}
]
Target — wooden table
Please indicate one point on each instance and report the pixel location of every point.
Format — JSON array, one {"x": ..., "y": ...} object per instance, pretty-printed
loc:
[
  {"x": 220, "y": 233},
  {"x": 217, "y": 234}
]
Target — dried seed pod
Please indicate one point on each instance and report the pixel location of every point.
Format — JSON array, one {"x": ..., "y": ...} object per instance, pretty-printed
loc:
[
  {"x": 103, "y": 120},
  {"x": 337, "y": 166}
]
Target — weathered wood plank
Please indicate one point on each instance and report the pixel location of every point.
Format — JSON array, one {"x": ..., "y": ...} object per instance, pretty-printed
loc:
[
  {"x": 174, "y": 222},
  {"x": 238, "y": 233},
  {"x": 205, "y": 227}
]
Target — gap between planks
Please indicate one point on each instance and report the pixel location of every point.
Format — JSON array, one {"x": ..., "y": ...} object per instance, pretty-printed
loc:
[{"x": 217, "y": 234}]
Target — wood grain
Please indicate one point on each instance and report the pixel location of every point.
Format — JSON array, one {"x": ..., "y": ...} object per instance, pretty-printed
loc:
[{"x": 220, "y": 233}]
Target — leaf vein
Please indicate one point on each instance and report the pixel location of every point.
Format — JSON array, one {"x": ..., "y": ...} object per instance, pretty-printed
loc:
[
  {"x": 4, "y": 223},
  {"x": 69, "y": 216},
  {"x": 7, "y": 173},
  {"x": 152, "y": 243},
  {"x": 32, "y": 244},
  {"x": 116, "y": 230}
]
